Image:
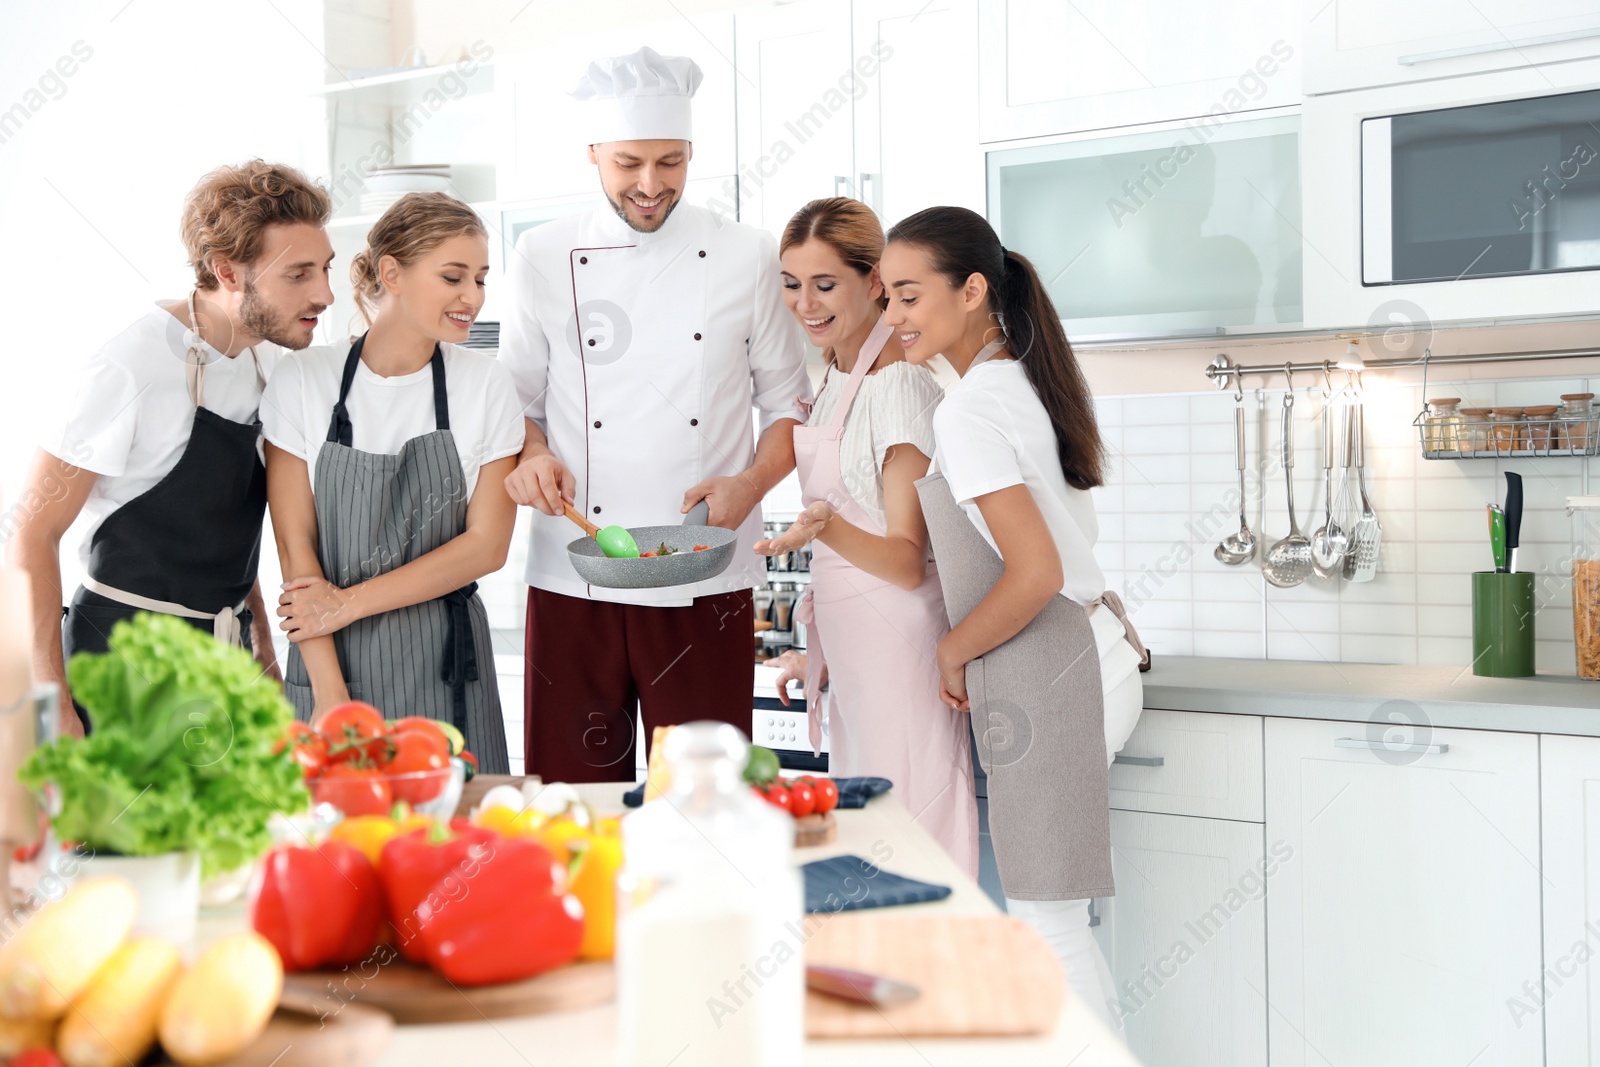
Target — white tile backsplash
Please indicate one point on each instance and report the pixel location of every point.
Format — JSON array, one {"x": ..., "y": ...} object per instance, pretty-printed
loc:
[{"x": 1173, "y": 493}]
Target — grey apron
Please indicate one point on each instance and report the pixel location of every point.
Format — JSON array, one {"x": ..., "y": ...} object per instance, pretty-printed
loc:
[
  {"x": 1038, "y": 718},
  {"x": 376, "y": 513}
]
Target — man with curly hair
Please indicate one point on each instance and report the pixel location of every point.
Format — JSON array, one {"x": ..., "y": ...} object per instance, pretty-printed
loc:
[{"x": 159, "y": 449}]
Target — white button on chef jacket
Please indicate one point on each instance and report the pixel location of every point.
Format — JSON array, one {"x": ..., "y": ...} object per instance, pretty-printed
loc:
[{"x": 641, "y": 356}]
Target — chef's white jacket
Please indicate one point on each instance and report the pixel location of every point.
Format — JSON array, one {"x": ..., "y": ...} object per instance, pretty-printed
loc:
[{"x": 640, "y": 355}]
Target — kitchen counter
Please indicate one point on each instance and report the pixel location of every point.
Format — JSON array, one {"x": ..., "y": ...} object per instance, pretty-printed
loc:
[
  {"x": 588, "y": 1036},
  {"x": 1450, "y": 697}
]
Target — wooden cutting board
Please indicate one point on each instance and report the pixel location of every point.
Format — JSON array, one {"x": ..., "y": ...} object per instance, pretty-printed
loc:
[
  {"x": 309, "y": 1032},
  {"x": 414, "y": 994},
  {"x": 979, "y": 976}
]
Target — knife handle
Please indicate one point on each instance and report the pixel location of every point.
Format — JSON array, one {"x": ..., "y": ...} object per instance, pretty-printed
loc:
[
  {"x": 855, "y": 986},
  {"x": 1513, "y": 510}
]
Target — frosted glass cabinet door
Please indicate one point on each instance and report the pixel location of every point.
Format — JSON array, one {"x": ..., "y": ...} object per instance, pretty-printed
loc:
[{"x": 1186, "y": 229}]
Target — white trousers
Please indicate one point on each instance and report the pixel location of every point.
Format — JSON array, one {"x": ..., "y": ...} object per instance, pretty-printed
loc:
[{"x": 1064, "y": 924}]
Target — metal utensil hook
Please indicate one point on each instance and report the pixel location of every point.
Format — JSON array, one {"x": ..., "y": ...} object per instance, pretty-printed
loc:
[
  {"x": 1288, "y": 384},
  {"x": 1327, "y": 379},
  {"x": 1427, "y": 354}
]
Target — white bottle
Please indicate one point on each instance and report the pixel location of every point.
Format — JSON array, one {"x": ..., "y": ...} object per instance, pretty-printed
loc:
[{"x": 710, "y": 944}]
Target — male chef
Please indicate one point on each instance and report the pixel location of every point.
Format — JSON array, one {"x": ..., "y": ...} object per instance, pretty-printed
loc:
[{"x": 640, "y": 335}]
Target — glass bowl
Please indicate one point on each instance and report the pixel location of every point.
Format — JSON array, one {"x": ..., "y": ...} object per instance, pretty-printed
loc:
[{"x": 436, "y": 793}]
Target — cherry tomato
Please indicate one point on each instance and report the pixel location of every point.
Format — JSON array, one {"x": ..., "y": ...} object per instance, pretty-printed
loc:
[
  {"x": 802, "y": 800},
  {"x": 777, "y": 794},
  {"x": 354, "y": 790},
  {"x": 418, "y": 752},
  {"x": 827, "y": 795},
  {"x": 36, "y": 1057}
]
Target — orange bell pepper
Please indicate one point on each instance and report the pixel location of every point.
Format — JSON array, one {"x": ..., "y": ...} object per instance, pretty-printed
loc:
[{"x": 369, "y": 833}]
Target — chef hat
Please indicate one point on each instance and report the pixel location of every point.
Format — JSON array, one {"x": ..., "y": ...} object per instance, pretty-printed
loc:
[{"x": 643, "y": 96}]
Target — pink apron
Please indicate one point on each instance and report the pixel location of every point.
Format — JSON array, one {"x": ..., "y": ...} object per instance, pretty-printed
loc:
[{"x": 885, "y": 718}]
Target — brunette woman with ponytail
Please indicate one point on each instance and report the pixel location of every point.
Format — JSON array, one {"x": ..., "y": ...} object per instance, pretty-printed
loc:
[{"x": 1039, "y": 650}]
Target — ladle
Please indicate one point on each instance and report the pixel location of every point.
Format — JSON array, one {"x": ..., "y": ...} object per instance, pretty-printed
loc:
[
  {"x": 1239, "y": 547},
  {"x": 1288, "y": 563}
]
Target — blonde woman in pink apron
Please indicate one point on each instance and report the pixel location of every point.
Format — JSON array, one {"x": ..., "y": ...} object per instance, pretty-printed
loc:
[
  {"x": 874, "y": 612},
  {"x": 1039, "y": 651}
]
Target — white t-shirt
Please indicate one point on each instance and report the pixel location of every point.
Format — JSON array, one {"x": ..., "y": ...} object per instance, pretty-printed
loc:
[
  {"x": 893, "y": 406},
  {"x": 385, "y": 413},
  {"x": 128, "y": 414},
  {"x": 992, "y": 432}
]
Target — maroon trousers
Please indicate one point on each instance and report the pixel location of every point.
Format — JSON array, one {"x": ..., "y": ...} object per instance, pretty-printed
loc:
[{"x": 589, "y": 663}]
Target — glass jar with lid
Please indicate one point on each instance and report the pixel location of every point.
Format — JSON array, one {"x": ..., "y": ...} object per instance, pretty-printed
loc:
[
  {"x": 1473, "y": 433},
  {"x": 1578, "y": 422},
  {"x": 1542, "y": 430},
  {"x": 1585, "y": 513},
  {"x": 1507, "y": 431},
  {"x": 1441, "y": 430}
]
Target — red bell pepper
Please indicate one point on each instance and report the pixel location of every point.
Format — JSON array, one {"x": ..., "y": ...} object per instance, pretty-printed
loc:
[
  {"x": 415, "y": 866},
  {"x": 514, "y": 919},
  {"x": 318, "y": 906}
]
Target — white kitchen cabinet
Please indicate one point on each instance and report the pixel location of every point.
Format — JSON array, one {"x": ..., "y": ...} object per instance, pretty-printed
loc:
[
  {"x": 1190, "y": 763},
  {"x": 1568, "y": 998},
  {"x": 916, "y": 122},
  {"x": 1409, "y": 911},
  {"x": 1048, "y": 68},
  {"x": 548, "y": 154},
  {"x": 1185, "y": 937},
  {"x": 1351, "y": 44},
  {"x": 796, "y": 134}
]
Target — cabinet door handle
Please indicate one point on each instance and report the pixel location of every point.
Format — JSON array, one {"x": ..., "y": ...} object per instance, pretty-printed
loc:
[
  {"x": 869, "y": 189},
  {"x": 1139, "y": 761},
  {"x": 841, "y": 185},
  {"x": 1503, "y": 46},
  {"x": 1389, "y": 746}
]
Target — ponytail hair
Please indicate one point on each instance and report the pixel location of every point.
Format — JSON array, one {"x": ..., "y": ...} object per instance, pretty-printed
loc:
[
  {"x": 960, "y": 243},
  {"x": 413, "y": 226}
]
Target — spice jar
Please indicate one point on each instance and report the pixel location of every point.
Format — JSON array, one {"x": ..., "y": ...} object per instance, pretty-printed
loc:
[
  {"x": 1473, "y": 433},
  {"x": 1507, "y": 431},
  {"x": 1441, "y": 429},
  {"x": 1585, "y": 513},
  {"x": 1541, "y": 430},
  {"x": 1580, "y": 428}
]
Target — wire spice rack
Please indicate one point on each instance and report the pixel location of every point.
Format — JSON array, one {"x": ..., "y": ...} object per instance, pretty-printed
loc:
[{"x": 1574, "y": 436}]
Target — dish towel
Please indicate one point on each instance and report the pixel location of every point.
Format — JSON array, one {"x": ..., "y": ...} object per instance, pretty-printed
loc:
[
  {"x": 853, "y": 792},
  {"x": 850, "y": 883}
]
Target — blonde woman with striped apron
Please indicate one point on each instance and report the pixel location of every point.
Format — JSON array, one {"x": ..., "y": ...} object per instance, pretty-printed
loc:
[
  {"x": 386, "y": 464},
  {"x": 1039, "y": 651}
]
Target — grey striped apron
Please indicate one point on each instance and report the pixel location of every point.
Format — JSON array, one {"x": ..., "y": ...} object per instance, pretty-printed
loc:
[
  {"x": 1038, "y": 718},
  {"x": 376, "y": 513}
]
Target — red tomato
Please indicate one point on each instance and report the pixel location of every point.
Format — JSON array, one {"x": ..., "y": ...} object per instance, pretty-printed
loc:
[
  {"x": 352, "y": 721},
  {"x": 354, "y": 790},
  {"x": 827, "y": 795},
  {"x": 802, "y": 801},
  {"x": 417, "y": 752},
  {"x": 777, "y": 794},
  {"x": 310, "y": 749},
  {"x": 36, "y": 1057},
  {"x": 426, "y": 725}
]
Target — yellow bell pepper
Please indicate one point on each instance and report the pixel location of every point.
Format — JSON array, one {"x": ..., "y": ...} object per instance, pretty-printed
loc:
[
  {"x": 594, "y": 883},
  {"x": 369, "y": 833}
]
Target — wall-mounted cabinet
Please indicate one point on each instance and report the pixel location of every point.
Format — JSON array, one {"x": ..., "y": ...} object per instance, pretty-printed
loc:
[
  {"x": 1047, "y": 68},
  {"x": 1356, "y": 44},
  {"x": 1187, "y": 228},
  {"x": 886, "y": 113}
]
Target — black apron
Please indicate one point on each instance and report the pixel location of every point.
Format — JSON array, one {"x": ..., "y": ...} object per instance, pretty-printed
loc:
[
  {"x": 379, "y": 512},
  {"x": 188, "y": 546}
]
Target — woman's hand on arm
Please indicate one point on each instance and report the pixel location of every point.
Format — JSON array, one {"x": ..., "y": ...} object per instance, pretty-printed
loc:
[
  {"x": 51, "y": 499},
  {"x": 478, "y": 550},
  {"x": 294, "y": 525},
  {"x": 1032, "y": 576}
]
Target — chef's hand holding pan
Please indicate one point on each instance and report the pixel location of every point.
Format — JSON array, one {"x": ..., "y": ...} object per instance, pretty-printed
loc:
[
  {"x": 314, "y": 607},
  {"x": 541, "y": 481},
  {"x": 731, "y": 499},
  {"x": 804, "y": 530}
]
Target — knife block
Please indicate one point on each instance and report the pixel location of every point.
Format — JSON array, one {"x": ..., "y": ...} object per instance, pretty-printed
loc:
[{"x": 1502, "y": 624}]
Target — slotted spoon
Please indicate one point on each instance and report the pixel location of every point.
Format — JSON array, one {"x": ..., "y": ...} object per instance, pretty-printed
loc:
[
  {"x": 1361, "y": 563},
  {"x": 1288, "y": 562}
]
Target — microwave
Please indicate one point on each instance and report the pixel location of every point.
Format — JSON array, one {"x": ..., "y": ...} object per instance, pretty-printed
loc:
[
  {"x": 1487, "y": 190},
  {"x": 1455, "y": 200}
]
